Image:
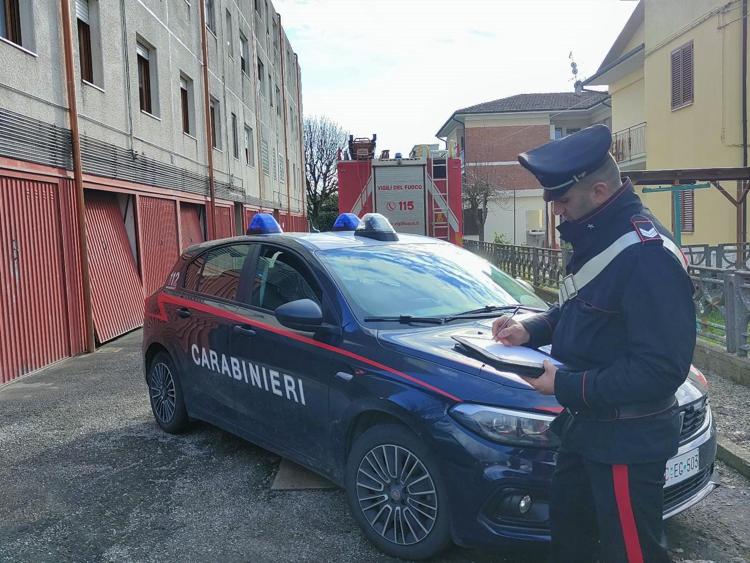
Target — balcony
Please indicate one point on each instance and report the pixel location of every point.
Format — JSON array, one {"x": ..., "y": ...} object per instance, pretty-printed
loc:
[{"x": 629, "y": 144}]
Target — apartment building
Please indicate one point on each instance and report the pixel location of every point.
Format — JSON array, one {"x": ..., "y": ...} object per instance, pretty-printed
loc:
[{"x": 158, "y": 130}]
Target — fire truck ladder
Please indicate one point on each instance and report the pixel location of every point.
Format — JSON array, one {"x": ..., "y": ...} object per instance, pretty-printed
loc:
[{"x": 443, "y": 218}]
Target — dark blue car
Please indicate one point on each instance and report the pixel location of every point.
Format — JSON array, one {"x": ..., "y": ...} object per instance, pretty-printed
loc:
[{"x": 335, "y": 350}]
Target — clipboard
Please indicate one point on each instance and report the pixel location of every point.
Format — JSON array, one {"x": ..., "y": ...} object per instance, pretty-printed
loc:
[{"x": 519, "y": 359}]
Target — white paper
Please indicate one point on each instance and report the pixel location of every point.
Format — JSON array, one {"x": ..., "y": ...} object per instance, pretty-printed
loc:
[{"x": 519, "y": 355}]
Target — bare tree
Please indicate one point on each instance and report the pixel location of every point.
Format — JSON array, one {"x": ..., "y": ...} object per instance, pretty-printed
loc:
[
  {"x": 481, "y": 187},
  {"x": 323, "y": 140}
]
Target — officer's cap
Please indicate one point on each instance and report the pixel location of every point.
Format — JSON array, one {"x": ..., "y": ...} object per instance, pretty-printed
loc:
[{"x": 559, "y": 164}]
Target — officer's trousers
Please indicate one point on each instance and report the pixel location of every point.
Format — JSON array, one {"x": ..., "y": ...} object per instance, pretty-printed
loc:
[{"x": 609, "y": 513}]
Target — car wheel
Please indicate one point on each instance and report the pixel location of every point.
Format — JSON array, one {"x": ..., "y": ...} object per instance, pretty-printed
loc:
[
  {"x": 165, "y": 395},
  {"x": 396, "y": 493}
]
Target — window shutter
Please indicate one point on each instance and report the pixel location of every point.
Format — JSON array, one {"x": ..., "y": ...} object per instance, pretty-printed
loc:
[
  {"x": 688, "y": 211},
  {"x": 687, "y": 73},
  {"x": 141, "y": 50},
  {"x": 82, "y": 10},
  {"x": 676, "y": 78}
]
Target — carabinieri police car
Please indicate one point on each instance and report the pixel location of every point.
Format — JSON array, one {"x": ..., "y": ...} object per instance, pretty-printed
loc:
[{"x": 335, "y": 350}]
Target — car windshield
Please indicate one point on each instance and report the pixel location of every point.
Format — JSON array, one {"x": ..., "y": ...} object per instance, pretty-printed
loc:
[{"x": 421, "y": 280}]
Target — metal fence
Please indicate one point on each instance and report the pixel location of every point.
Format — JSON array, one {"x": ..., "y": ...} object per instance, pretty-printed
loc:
[
  {"x": 722, "y": 295},
  {"x": 717, "y": 255}
]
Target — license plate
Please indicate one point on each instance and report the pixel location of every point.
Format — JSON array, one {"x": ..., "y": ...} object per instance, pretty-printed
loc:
[{"x": 682, "y": 467}]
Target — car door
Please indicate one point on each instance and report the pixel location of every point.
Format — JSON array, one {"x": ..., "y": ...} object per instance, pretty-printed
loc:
[
  {"x": 289, "y": 371},
  {"x": 204, "y": 323}
]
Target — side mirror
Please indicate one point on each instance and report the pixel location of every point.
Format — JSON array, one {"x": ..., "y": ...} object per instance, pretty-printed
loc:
[{"x": 302, "y": 314}]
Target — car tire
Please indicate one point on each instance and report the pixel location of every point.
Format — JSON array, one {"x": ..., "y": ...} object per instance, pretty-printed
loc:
[
  {"x": 165, "y": 395},
  {"x": 396, "y": 493}
]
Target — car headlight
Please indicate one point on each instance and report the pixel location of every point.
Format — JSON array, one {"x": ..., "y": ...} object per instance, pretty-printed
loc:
[{"x": 515, "y": 428}]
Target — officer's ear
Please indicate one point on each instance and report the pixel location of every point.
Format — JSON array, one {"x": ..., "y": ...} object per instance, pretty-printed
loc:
[{"x": 601, "y": 192}]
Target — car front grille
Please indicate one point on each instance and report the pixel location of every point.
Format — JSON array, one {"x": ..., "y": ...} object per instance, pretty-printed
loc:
[
  {"x": 694, "y": 415},
  {"x": 679, "y": 493}
]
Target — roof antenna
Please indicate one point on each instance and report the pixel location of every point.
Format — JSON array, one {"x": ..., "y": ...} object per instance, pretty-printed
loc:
[{"x": 577, "y": 84}]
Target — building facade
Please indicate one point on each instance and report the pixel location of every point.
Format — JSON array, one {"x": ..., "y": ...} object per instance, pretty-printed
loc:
[
  {"x": 675, "y": 77},
  {"x": 488, "y": 138},
  {"x": 158, "y": 130}
]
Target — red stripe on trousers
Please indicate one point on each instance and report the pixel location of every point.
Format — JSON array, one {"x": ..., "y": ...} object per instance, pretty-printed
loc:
[{"x": 625, "y": 510}]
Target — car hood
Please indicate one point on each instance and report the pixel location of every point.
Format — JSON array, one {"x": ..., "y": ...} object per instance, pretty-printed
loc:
[{"x": 436, "y": 345}]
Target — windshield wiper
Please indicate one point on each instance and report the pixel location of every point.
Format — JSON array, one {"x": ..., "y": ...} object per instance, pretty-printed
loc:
[
  {"x": 490, "y": 310},
  {"x": 405, "y": 319}
]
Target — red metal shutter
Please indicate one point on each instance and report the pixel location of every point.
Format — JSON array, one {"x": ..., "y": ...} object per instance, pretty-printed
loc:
[
  {"x": 676, "y": 78},
  {"x": 687, "y": 73},
  {"x": 116, "y": 289},
  {"x": 157, "y": 220},
  {"x": 224, "y": 222},
  {"x": 190, "y": 223},
  {"x": 249, "y": 214},
  {"x": 33, "y": 305}
]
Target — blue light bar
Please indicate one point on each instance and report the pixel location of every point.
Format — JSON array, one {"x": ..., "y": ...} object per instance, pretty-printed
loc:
[
  {"x": 263, "y": 224},
  {"x": 346, "y": 222},
  {"x": 376, "y": 226}
]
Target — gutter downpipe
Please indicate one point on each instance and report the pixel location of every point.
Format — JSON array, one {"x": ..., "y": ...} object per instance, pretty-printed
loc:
[
  {"x": 209, "y": 145},
  {"x": 77, "y": 174},
  {"x": 743, "y": 209},
  {"x": 301, "y": 129},
  {"x": 286, "y": 139}
]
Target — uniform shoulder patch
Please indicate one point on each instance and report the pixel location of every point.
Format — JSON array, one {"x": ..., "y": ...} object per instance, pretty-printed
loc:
[{"x": 645, "y": 228}]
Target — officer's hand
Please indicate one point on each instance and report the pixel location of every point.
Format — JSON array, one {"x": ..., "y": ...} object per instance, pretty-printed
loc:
[
  {"x": 509, "y": 331},
  {"x": 545, "y": 383}
]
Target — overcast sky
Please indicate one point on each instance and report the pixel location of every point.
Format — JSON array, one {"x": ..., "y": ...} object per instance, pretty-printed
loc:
[{"x": 400, "y": 68}]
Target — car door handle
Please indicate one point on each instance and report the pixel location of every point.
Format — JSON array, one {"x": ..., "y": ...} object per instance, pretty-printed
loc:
[
  {"x": 344, "y": 376},
  {"x": 183, "y": 312},
  {"x": 242, "y": 329}
]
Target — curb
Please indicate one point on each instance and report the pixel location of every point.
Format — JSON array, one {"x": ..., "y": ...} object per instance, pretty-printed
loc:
[{"x": 733, "y": 455}]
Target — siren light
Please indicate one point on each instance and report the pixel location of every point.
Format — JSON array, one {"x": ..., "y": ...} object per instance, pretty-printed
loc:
[{"x": 263, "y": 224}]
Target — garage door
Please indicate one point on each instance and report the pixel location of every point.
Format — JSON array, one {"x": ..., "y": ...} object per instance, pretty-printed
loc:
[
  {"x": 116, "y": 289},
  {"x": 157, "y": 220},
  {"x": 191, "y": 224},
  {"x": 33, "y": 311},
  {"x": 224, "y": 222}
]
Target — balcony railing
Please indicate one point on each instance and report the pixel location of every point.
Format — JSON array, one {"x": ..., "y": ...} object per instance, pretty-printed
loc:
[{"x": 629, "y": 144}]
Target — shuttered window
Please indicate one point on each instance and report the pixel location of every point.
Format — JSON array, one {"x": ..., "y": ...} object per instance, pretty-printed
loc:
[
  {"x": 687, "y": 208},
  {"x": 215, "y": 118},
  {"x": 84, "y": 40},
  {"x": 10, "y": 21},
  {"x": 185, "y": 105},
  {"x": 264, "y": 155},
  {"x": 144, "y": 78},
  {"x": 249, "y": 147},
  {"x": 682, "y": 76},
  {"x": 235, "y": 138}
]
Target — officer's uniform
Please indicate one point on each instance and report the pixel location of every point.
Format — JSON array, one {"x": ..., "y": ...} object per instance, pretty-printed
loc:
[{"x": 626, "y": 337}]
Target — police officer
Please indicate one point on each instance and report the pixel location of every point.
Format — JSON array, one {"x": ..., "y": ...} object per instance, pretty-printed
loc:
[{"x": 625, "y": 330}]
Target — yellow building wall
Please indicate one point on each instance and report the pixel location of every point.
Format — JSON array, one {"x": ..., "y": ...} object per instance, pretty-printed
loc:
[
  {"x": 707, "y": 133},
  {"x": 628, "y": 101}
]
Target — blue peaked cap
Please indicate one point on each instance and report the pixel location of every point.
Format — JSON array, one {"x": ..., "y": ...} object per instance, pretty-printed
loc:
[{"x": 559, "y": 164}]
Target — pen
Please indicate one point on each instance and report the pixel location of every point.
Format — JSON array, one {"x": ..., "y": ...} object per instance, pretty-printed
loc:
[{"x": 507, "y": 320}]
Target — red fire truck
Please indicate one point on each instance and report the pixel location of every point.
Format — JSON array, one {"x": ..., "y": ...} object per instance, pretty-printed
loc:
[{"x": 419, "y": 195}]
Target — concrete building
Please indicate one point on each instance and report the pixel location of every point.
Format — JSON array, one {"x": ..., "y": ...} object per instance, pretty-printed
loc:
[
  {"x": 172, "y": 152},
  {"x": 488, "y": 138},
  {"x": 675, "y": 77}
]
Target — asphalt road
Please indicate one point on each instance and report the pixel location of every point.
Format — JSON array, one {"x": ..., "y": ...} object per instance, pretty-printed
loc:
[{"x": 86, "y": 475}]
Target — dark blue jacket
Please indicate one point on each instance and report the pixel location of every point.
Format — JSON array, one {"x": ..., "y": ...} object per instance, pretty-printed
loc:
[{"x": 627, "y": 338}]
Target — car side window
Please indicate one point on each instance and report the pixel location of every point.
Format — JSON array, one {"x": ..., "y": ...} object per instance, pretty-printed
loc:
[
  {"x": 217, "y": 272},
  {"x": 281, "y": 277}
]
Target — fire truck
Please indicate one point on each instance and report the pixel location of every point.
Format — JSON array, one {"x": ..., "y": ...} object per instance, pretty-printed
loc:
[{"x": 420, "y": 194}]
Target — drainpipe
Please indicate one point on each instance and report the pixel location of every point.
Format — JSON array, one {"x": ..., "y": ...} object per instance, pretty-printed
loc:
[
  {"x": 744, "y": 115},
  {"x": 286, "y": 140},
  {"x": 300, "y": 128},
  {"x": 209, "y": 145},
  {"x": 77, "y": 173}
]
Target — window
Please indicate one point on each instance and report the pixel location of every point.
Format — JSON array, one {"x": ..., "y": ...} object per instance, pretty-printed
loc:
[
  {"x": 282, "y": 168},
  {"x": 228, "y": 33},
  {"x": 235, "y": 139},
  {"x": 278, "y": 101},
  {"x": 214, "y": 113},
  {"x": 281, "y": 277},
  {"x": 211, "y": 16},
  {"x": 186, "y": 105},
  {"x": 84, "y": 40},
  {"x": 264, "y": 155},
  {"x": 439, "y": 169},
  {"x": 682, "y": 76},
  {"x": 147, "y": 78},
  {"x": 261, "y": 75},
  {"x": 249, "y": 146},
  {"x": 268, "y": 16},
  {"x": 244, "y": 53},
  {"x": 687, "y": 211},
  {"x": 258, "y": 8},
  {"x": 270, "y": 90},
  {"x": 218, "y": 271},
  {"x": 10, "y": 21}
]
